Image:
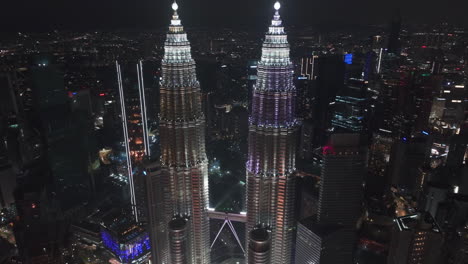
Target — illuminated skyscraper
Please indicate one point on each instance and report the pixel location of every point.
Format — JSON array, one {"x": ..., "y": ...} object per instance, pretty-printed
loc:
[
  {"x": 182, "y": 182},
  {"x": 272, "y": 145}
]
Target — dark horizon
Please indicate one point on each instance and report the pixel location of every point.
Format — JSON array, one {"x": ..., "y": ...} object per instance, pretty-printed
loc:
[{"x": 241, "y": 14}]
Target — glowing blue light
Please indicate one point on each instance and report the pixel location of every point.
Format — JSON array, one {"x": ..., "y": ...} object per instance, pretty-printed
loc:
[
  {"x": 425, "y": 133},
  {"x": 348, "y": 58},
  {"x": 405, "y": 139},
  {"x": 144, "y": 172}
]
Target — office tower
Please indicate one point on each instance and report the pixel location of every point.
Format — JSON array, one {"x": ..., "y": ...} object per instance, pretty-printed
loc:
[
  {"x": 330, "y": 80},
  {"x": 458, "y": 151},
  {"x": 339, "y": 203},
  {"x": 184, "y": 173},
  {"x": 306, "y": 147},
  {"x": 158, "y": 222},
  {"x": 460, "y": 251},
  {"x": 394, "y": 44},
  {"x": 40, "y": 228},
  {"x": 416, "y": 239},
  {"x": 379, "y": 159},
  {"x": 350, "y": 107},
  {"x": 259, "y": 246},
  {"x": 322, "y": 243},
  {"x": 67, "y": 134},
  {"x": 341, "y": 190},
  {"x": 306, "y": 74},
  {"x": 409, "y": 155},
  {"x": 272, "y": 145},
  {"x": 448, "y": 107},
  {"x": 435, "y": 194}
]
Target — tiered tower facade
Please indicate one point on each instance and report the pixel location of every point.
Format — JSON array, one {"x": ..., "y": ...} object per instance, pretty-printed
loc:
[
  {"x": 272, "y": 145},
  {"x": 183, "y": 177}
]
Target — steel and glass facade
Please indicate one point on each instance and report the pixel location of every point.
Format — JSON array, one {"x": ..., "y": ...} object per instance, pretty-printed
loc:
[
  {"x": 183, "y": 178},
  {"x": 272, "y": 145}
]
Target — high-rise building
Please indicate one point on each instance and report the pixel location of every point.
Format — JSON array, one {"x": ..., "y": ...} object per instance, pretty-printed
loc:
[
  {"x": 66, "y": 134},
  {"x": 379, "y": 159},
  {"x": 324, "y": 244},
  {"x": 394, "y": 43},
  {"x": 350, "y": 106},
  {"x": 416, "y": 239},
  {"x": 339, "y": 203},
  {"x": 409, "y": 155},
  {"x": 330, "y": 80},
  {"x": 183, "y": 177},
  {"x": 157, "y": 224},
  {"x": 272, "y": 145},
  {"x": 341, "y": 190},
  {"x": 40, "y": 227}
]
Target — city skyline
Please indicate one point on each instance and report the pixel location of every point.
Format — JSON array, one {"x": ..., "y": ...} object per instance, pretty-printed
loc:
[
  {"x": 268, "y": 142},
  {"x": 150, "y": 14}
]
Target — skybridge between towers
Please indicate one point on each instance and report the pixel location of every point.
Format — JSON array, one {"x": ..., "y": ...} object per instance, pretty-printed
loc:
[{"x": 228, "y": 219}]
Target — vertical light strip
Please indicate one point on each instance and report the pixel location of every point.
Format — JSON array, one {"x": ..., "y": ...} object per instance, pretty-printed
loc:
[
  {"x": 313, "y": 67},
  {"x": 302, "y": 66},
  {"x": 145, "y": 121},
  {"x": 143, "y": 128},
  {"x": 126, "y": 141},
  {"x": 380, "y": 60}
]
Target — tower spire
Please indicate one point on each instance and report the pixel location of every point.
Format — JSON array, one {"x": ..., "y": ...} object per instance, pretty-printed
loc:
[{"x": 176, "y": 25}]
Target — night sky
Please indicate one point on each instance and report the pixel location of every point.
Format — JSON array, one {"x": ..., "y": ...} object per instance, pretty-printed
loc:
[{"x": 43, "y": 15}]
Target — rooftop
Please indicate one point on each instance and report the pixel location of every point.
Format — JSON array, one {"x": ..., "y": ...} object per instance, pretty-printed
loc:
[{"x": 419, "y": 221}]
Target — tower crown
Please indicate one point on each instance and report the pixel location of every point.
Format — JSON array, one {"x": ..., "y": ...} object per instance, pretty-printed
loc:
[{"x": 176, "y": 25}]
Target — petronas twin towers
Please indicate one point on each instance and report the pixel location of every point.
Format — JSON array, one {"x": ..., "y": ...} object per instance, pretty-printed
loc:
[{"x": 179, "y": 199}]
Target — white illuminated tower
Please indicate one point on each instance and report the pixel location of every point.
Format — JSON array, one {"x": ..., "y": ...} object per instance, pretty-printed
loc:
[
  {"x": 272, "y": 146},
  {"x": 180, "y": 189}
]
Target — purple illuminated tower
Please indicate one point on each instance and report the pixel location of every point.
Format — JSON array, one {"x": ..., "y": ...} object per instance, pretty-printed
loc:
[
  {"x": 272, "y": 145},
  {"x": 179, "y": 189}
]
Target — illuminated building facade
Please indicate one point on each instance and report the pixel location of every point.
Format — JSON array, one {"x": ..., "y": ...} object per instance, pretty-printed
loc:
[
  {"x": 127, "y": 240},
  {"x": 182, "y": 182},
  {"x": 272, "y": 145},
  {"x": 416, "y": 239},
  {"x": 350, "y": 107}
]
